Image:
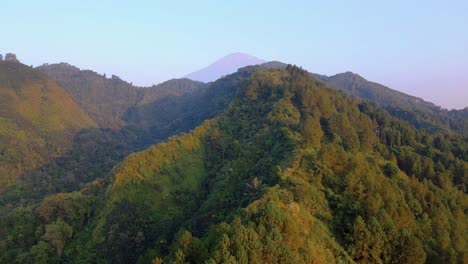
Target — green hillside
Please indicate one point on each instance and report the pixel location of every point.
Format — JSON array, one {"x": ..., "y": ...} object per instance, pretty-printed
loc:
[
  {"x": 292, "y": 172},
  {"x": 414, "y": 110},
  {"x": 173, "y": 114},
  {"x": 38, "y": 119},
  {"x": 95, "y": 151},
  {"x": 91, "y": 153},
  {"x": 107, "y": 99},
  {"x": 421, "y": 114}
]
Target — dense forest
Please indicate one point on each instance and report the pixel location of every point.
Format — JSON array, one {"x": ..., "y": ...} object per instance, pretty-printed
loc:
[
  {"x": 96, "y": 150},
  {"x": 414, "y": 110},
  {"x": 54, "y": 136},
  {"x": 287, "y": 170},
  {"x": 107, "y": 99},
  {"x": 421, "y": 114},
  {"x": 35, "y": 123}
]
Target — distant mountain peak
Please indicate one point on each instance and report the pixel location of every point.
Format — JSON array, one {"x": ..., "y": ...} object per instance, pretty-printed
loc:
[
  {"x": 237, "y": 55},
  {"x": 226, "y": 65},
  {"x": 348, "y": 74}
]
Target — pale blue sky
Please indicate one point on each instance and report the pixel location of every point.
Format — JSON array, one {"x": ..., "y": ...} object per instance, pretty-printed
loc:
[{"x": 418, "y": 47}]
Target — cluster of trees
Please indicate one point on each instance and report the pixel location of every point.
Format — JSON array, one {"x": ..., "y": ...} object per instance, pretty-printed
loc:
[
  {"x": 92, "y": 155},
  {"x": 351, "y": 181},
  {"x": 106, "y": 100},
  {"x": 416, "y": 111},
  {"x": 35, "y": 123},
  {"x": 292, "y": 172},
  {"x": 96, "y": 150}
]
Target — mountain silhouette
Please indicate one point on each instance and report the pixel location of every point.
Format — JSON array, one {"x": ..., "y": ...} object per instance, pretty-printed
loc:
[{"x": 224, "y": 66}]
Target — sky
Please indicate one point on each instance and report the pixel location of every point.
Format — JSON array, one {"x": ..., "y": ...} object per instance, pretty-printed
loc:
[{"x": 417, "y": 47}]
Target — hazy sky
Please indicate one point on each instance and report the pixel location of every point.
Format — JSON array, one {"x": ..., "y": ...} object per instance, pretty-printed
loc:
[{"x": 418, "y": 47}]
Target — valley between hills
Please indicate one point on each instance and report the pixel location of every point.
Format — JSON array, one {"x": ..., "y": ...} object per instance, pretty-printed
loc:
[{"x": 244, "y": 161}]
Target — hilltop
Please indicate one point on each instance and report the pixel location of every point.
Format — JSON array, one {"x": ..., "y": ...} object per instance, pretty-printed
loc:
[
  {"x": 107, "y": 99},
  {"x": 293, "y": 171},
  {"x": 38, "y": 119}
]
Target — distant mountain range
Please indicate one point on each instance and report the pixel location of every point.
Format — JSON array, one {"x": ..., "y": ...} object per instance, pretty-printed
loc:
[
  {"x": 420, "y": 113},
  {"x": 113, "y": 103},
  {"x": 226, "y": 65},
  {"x": 276, "y": 165},
  {"x": 107, "y": 99},
  {"x": 412, "y": 109}
]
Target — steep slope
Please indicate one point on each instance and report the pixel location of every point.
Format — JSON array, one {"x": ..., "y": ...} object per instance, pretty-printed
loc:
[
  {"x": 95, "y": 151},
  {"x": 292, "y": 172},
  {"x": 422, "y": 114},
  {"x": 107, "y": 99},
  {"x": 224, "y": 66},
  {"x": 416, "y": 111},
  {"x": 172, "y": 114},
  {"x": 38, "y": 119},
  {"x": 384, "y": 96}
]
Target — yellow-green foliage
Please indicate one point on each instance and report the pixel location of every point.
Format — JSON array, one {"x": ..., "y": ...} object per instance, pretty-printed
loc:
[
  {"x": 336, "y": 197},
  {"x": 9, "y": 128},
  {"x": 148, "y": 166},
  {"x": 164, "y": 179},
  {"x": 37, "y": 120},
  {"x": 292, "y": 172},
  {"x": 302, "y": 233}
]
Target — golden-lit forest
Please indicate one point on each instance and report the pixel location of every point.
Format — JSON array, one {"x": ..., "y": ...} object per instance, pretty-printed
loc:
[
  {"x": 271, "y": 164},
  {"x": 35, "y": 122}
]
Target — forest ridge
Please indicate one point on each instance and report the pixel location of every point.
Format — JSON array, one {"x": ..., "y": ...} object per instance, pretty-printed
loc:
[{"x": 268, "y": 164}]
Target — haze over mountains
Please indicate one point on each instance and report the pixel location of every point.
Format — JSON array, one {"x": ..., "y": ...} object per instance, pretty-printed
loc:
[
  {"x": 269, "y": 164},
  {"x": 130, "y": 133},
  {"x": 107, "y": 99},
  {"x": 226, "y": 65},
  {"x": 415, "y": 110}
]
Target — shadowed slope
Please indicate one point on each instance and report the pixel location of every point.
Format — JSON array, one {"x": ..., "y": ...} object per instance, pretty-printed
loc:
[
  {"x": 107, "y": 99},
  {"x": 38, "y": 119},
  {"x": 292, "y": 172}
]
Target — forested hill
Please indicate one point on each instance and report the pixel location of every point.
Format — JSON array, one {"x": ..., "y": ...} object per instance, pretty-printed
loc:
[
  {"x": 107, "y": 99},
  {"x": 420, "y": 113},
  {"x": 462, "y": 113},
  {"x": 372, "y": 91},
  {"x": 38, "y": 120},
  {"x": 292, "y": 172},
  {"x": 95, "y": 151},
  {"x": 111, "y": 102},
  {"x": 416, "y": 111}
]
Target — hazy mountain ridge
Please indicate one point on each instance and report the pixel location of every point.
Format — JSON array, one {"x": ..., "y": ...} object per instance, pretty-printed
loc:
[
  {"x": 420, "y": 113},
  {"x": 357, "y": 85},
  {"x": 95, "y": 151},
  {"x": 284, "y": 150},
  {"x": 410, "y": 108},
  {"x": 224, "y": 66},
  {"x": 107, "y": 99},
  {"x": 293, "y": 171}
]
